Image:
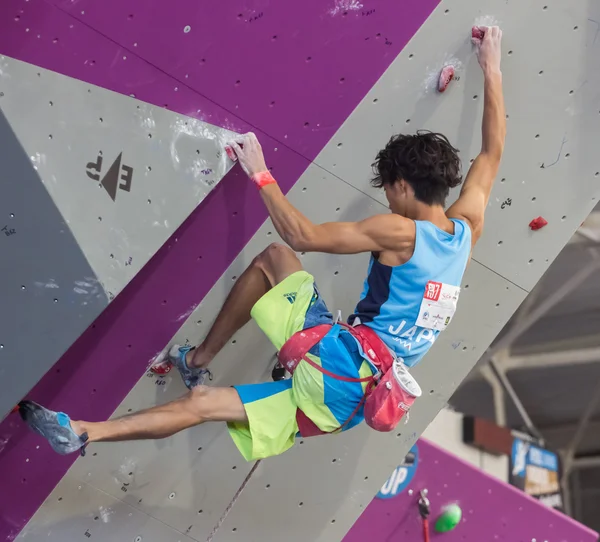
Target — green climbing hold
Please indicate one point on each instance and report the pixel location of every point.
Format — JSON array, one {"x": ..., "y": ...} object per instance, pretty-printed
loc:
[{"x": 448, "y": 519}]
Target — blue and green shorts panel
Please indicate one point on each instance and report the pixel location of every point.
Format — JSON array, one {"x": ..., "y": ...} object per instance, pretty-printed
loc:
[{"x": 291, "y": 306}]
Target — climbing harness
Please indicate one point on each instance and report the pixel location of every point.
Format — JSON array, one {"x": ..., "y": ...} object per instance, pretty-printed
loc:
[{"x": 389, "y": 393}]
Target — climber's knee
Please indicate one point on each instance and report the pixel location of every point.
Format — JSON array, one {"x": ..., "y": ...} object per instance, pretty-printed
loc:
[
  {"x": 277, "y": 262},
  {"x": 208, "y": 404}
]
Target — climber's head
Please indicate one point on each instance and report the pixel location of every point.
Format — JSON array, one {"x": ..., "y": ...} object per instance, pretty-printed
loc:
[{"x": 415, "y": 170}]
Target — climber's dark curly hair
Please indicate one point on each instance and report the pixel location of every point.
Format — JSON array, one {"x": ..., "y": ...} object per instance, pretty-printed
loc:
[{"x": 427, "y": 161}]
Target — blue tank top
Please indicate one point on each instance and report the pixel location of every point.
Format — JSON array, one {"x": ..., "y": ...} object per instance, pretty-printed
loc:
[{"x": 392, "y": 296}]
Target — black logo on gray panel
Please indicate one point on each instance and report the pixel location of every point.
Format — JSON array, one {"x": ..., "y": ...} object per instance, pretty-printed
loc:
[{"x": 116, "y": 173}]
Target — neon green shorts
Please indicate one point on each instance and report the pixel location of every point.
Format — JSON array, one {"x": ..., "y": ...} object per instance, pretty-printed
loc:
[{"x": 293, "y": 305}]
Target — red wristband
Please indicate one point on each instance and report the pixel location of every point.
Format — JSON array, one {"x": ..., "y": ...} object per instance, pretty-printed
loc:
[{"x": 263, "y": 179}]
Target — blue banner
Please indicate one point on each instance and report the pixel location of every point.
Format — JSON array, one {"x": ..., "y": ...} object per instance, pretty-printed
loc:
[
  {"x": 402, "y": 475},
  {"x": 535, "y": 471}
]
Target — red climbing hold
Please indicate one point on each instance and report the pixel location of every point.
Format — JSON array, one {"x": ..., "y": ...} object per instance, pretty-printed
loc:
[
  {"x": 230, "y": 153},
  {"x": 15, "y": 409},
  {"x": 162, "y": 368},
  {"x": 446, "y": 76},
  {"x": 477, "y": 33},
  {"x": 538, "y": 223}
]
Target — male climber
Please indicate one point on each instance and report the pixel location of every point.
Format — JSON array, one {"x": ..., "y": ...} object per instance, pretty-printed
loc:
[{"x": 416, "y": 244}]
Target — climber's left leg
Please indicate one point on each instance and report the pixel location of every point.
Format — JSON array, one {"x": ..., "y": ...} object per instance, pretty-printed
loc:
[{"x": 269, "y": 268}]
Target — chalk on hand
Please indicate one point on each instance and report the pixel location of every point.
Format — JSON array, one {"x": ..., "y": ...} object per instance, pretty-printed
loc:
[
  {"x": 446, "y": 75},
  {"x": 538, "y": 223}
]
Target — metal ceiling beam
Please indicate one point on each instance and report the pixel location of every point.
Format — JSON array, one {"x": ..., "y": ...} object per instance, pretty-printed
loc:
[
  {"x": 515, "y": 332},
  {"x": 559, "y": 436},
  {"x": 577, "y": 496},
  {"x": 571, "y": 449},
  {"x": 589, "y": 233},
  {"x": 527, "y": 306},
  {"x": 569, "y": 461},
  {"x": 550, "y": 359},
  {"x": 581, "y": 342},
  {"x": 589, "y": 462},
  {"x": 510, "y": 391},
  {"x": 589, "y": 229},
  {"x": 497, "y": 394}
]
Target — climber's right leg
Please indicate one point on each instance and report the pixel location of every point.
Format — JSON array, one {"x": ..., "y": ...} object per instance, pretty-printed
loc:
[{"x": 200, "y": 405}]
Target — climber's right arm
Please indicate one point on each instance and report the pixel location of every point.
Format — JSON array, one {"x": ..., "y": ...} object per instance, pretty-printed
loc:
[{"x": 477, "y": 187}]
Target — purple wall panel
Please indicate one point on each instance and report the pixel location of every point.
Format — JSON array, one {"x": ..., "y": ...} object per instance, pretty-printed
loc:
[
  {"x": 259, "y": 67},
  {"x": 492, "y": 510},
  {"x": 194, "y": 73}
]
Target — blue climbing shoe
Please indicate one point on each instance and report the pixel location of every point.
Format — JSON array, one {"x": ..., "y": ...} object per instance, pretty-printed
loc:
[
  {"x": 192, "y": 377},
  {"x": 55, "y": 427}
]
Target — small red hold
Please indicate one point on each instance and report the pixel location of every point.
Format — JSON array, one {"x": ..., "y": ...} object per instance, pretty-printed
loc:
[
  {"x": 477, "y": 33},
  {"x": 161, "y": 369},
  {"x": 538, "y": 223},
  {"x": 446, "y": 75},
  {"x": 15, "y": 409},
  {"x": 230, "y": 152}
]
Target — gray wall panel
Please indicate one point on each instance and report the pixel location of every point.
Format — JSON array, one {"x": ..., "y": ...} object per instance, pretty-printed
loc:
[
  {"x": 559, "y": 106},
  {"x": 49, "y": 292},
  {"x": 89, "y": 514},
  {"x": 97, "y": 182},
  {"x": 124, "y": 174}
]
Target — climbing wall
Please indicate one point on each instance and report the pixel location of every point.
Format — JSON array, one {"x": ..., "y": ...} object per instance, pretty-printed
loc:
[
  {"x": 491, "y": 509},
  {"x": 323, "y": 85},
  {"x": 96, "y": 182}
]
